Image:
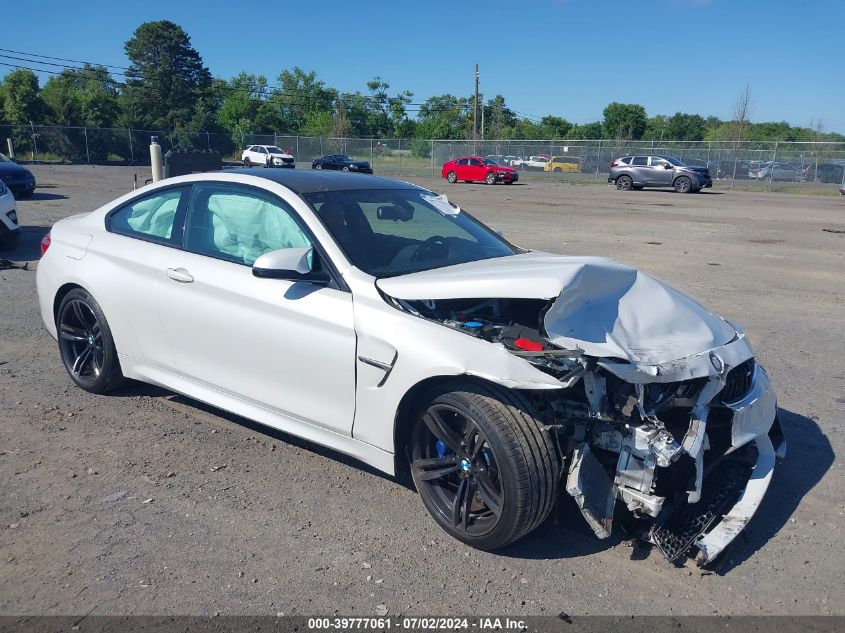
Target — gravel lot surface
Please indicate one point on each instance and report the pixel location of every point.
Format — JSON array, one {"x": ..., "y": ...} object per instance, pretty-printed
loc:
[{"x": 135, "y": 503}]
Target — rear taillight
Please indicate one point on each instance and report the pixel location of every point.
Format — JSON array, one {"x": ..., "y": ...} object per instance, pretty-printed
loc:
[{"x": 45, "y": 244}]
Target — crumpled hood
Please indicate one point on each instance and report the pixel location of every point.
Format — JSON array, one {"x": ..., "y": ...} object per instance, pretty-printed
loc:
[{"x": 602, "y": 307}]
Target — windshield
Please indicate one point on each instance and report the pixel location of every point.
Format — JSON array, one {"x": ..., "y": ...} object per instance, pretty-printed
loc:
[
  {"x": 275, "y": 150},
  {"x": 345, "y": 158},
  {"x": 490, "y": 161},
  {"x": 399, "y": 231},
  {"x": 677, "y": 162},
  {"x": 3, "y": 159}
]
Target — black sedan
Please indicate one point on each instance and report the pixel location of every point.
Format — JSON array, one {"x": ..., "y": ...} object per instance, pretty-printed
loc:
[
  {"x": 18, "y": 179},
  {"x": 342, "y": 162}
]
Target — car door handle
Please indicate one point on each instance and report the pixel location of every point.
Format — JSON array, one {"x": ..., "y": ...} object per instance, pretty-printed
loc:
[{"x": 180, "y": 274}]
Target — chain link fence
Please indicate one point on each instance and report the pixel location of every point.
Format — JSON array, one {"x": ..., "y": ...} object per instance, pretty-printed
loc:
[{"x": 770, "y": 165}]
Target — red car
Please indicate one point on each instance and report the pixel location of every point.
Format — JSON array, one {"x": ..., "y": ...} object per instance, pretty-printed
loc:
[{"x": 477, "y": 169}]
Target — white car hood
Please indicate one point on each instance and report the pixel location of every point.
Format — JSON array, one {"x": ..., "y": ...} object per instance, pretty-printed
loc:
[{"x": 602, "y": 307}]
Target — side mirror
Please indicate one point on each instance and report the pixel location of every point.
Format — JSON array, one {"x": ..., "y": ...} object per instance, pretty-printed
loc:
[
  {"x": 667, "y": 166},
  {"x": 291, "y": 264}
]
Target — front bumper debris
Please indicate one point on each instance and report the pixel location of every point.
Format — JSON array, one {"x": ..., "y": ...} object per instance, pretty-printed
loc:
[{"x": 728, "y": 470}]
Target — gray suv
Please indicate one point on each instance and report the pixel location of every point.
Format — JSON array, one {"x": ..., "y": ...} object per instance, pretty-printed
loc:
[{"x": 636, "y": 172}]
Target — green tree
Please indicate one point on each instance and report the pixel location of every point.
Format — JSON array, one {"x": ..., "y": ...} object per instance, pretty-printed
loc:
[
  {"x": 624, "y": 121},
  {"x": 21, "y": 101},
  {"x": 556, "y": 126},
  {"x": 591, "y": 131},
  {"x": 499, "y": 118},
  {"x": 686, "y": 127},
  {"x": 384, "y": 113},
  {"x": 300, "y": 95},
  {"x": 166, "y": 79},
  {"x": 445, "y": 117},
  {"x": 78, "y": 97},
  {"x": 240, "y": 100}
]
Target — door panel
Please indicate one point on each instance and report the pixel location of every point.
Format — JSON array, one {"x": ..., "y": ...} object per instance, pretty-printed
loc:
[
  {"x": 640, "y": 171},
  {"x": 660, "y": 176},
  {"x": 287, "y": 346}
]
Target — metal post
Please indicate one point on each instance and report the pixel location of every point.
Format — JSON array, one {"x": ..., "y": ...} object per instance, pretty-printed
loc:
[
  {"x": 598, "y": 159},
  {"x": 11, "y": 147},
  {"x": 431, "y": 156},
  {"x": 772, "y": 170},
  {"x": 131, "y": 150},
  {"x": 399, "y": 150},
  {"x": 87, "y": 153},
  {"x": 208, "y": 140},
  {"x": 34, "y": 142},
  {"x": 297, "y": 148}
]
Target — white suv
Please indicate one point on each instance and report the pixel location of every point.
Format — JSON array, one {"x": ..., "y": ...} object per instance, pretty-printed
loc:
[{"x": 268, "y": 156}]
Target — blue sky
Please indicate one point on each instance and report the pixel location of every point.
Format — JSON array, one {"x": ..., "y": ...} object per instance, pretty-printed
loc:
[{"x": 565, "y": 57}]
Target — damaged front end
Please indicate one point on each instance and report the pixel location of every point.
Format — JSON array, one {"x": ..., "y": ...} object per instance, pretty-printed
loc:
[{"x": 679, "y": 450}]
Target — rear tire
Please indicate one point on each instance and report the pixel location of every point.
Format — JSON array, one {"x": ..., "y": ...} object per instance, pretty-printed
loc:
[
  {"x": 452, "y": 177},
  {"x": 682, "y": 184},
  {"x": 484, "y": 466},
  {"x": 624, "y": 183},
  {"x": 86, "y": 344}
]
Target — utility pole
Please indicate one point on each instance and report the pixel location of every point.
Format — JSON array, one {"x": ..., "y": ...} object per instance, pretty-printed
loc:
[{"x": 475, "y": 108}]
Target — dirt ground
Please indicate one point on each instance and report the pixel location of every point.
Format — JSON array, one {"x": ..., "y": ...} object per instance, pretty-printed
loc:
[{"x": 134, "y": 503}]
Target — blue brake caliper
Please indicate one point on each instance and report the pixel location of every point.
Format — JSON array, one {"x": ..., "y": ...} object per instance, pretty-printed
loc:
[{"x": 442, "y": 450}]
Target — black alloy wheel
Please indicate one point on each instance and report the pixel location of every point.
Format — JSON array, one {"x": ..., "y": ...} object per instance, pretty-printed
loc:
[
  {"x": 485, "y": 468},
  {"x": 85, "y": 343}
]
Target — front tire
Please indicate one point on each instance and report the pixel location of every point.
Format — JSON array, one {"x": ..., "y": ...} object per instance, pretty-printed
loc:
[
  {"x": 86, "y": 344},
  {"x": 490, "y": 179},
  {"x": 683, "y": 184},
  {"x": 247, "y": 162},
  {"x": 485, "y": 468},
  {"x": 452, "y": 177},
  {"x": 624, "y": 183}
]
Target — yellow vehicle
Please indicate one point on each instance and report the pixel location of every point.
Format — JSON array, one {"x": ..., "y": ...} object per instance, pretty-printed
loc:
[{"x": 570, "y": 164}]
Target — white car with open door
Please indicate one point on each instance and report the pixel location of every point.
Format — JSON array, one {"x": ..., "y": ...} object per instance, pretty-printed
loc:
[
  {"x": 377, "y": 318},
  {"x": 267, "y": 156}
]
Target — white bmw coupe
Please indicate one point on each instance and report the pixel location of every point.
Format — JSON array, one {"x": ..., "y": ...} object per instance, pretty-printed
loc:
[{"x": 379, "y": 319}]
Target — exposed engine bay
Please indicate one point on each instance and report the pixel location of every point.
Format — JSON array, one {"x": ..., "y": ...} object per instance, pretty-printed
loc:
[{"x": 677, "y": 454}]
